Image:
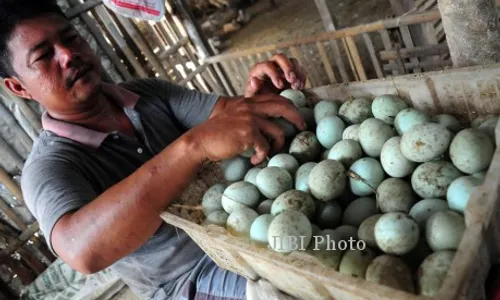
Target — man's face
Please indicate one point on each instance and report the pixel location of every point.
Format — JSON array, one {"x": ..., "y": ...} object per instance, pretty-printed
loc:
[{"x": 53, "y": 64}]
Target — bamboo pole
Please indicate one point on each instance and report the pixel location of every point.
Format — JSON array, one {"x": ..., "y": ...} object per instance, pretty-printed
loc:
[
  {"x": 12, "y": 216},
  {"x": 227, "y": 86},
  {"x": 353, "y": 50},
  {"x": 11, "y": 185},
  {"x": 326, "y": 62},
  {"x": 386, "y": 40},
  {"x": 429, "y": 50},
  {"x": 349, "y": 58},
  {"x": 373, "y": 55},
  {"x": 338, "y": 61},
  {"x": 8, "y": 119},
  {"x": 10, "y": 158}
]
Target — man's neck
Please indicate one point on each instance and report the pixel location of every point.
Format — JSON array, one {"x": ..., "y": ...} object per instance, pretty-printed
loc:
[{"x": 100, "y": 116}]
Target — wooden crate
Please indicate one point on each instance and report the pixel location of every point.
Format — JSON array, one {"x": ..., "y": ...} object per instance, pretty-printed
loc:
[{"x": 465, "y": 93}]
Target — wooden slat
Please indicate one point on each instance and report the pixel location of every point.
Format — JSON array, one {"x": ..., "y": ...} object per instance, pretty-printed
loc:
[
  {"x": 408, "y": 41},
  {"x": 329, "y": 22},
  {"x": 349, "y": 57},
  {"x": 244, "y": 66},
  {"x": 81, "y": 8},
  {"x": 11, "y": 186},
  {"x": 103, "y": 44},
  {"x": 386, "y": 40},
  {"x": 173, "y": 49},
  {"x": 339, "y": 61},
  {"x": 11, "y": 215},
  {"x": 353, "y": 49},
  {"x": 352, "y": 31},
  {"x": 430, "y": 50},
  {"x": 373, "y": 55},
  {"x": 326, "y": 62},
  {"x": 192, "y": 75},
  {"x": 111, "y": 26},
  {"x": 238, "y": 75},
  {"x": 28, "y": 233},
  {"x": 311, "y": 65},
  {"x": 296, "y": 53},
  {"x": 143, "y": 45},
  {"x": 429, "y": 64},
  {"x": 227, "y": 86}
]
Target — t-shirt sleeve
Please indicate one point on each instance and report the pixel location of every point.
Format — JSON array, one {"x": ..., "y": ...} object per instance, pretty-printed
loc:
[
  {"x": 190, "y": 107},
  {"x": 52, "y": 189}
]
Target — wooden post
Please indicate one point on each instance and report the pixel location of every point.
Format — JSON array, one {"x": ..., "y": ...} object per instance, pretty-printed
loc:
[
  {"x": 472, "y": 31},
  {"x": 329, "y": 21}
]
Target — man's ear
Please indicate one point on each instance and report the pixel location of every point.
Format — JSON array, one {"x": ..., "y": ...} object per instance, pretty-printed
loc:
[{"x": 17, "y": 87}]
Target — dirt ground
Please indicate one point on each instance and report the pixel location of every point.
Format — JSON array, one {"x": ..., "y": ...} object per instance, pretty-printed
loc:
[{"x": 294, "y": 19}]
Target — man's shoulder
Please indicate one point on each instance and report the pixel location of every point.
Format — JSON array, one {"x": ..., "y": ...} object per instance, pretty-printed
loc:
[{"x": 146, "y": 86}]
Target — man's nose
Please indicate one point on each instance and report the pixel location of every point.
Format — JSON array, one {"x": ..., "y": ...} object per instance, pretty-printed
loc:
[{"x": 66, "y": 56}]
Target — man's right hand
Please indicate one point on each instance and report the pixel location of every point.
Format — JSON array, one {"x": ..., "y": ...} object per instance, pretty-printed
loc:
[{"x": 239, "y": 124}]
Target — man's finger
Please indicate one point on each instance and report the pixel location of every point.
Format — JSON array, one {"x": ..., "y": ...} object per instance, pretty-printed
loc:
[
  {"x": 274, "y": 107},
  {"x": 253, "y": 86},
  {"x": 273, "y": 132},
  {"x": 301, "y": 74},
  {"x": 288, "y": 68},
  {"x": 268, "y": 69},
  {"x": 261, "y": 146}
]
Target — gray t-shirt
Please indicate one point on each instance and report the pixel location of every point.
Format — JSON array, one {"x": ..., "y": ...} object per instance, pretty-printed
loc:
[{"x": 70, "y": 166}]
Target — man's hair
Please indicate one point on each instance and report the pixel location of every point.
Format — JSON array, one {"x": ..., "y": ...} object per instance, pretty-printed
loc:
[{"x": 12, "y": 12}]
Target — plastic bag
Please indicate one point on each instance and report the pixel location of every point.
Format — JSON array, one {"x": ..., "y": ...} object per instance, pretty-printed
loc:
[{"x": 152, "y": 10}]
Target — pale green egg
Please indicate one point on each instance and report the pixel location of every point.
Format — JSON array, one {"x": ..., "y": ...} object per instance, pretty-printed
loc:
[
  {"x": 425, "y": 142},
  {"x": 305, "y": 147},
  {"x": 327, "y": 180},
  {"x": 386, "y": 107},
  {"x": 329, "y": 131},
  {"x": 359, "y": 210},
  {"x": 235, "y": 168},
  {"x": 325, "y": 108},
  {"x": 294, "y": 200},
  {"x": 471, "y": 150},
  {"x": 366, "y": 177},
  {"x": 212, "y": 199},
  {"x": 432, "y": 179},
  {"x": 273, "y": 181},
  {"x": 409, "y": 117},
  {"x": 373, "y": 133},
  {"x": 356, "y": 110},
  {"x": 396, "y": 233},
  {"x": 302, "y": 176}
]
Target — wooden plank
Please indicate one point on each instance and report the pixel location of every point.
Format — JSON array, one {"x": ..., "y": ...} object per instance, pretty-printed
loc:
[
  {"x": 329, "y": 22},
  {"x": 112, "y": 28},
  {"x": 373, "y": 55},
  {"x": 173, "y": 49},
  {"x": 81, "y": 8},
  {"x": 244, "y": 66},
  {"x": 236, "y": 72},
  {"x": 430, "y": 50},
  {"x": 408, "y": 41},
  {"x": 11, "y": 215},
  {"x": 143, "y": 45},
  {"x": 10, "y": 158},
  {"x": 11, "y": 186},
  {"x": 227, "y": 86},
  {"x": 326, "y": 62},
  {"x": 296, "y": 53},
  {"x": 311, "y": 64},
  {"x": 192, "y": 75},
  {"x": 351, "y": 63},
  {"x": 386, "y": 40},
  {"x": 93, "y": 27},
  {"x": 353, "y": 49},
  {"x": 339, "y": 61},
  {"x": 430, "y": 65},
  {"x": 28, "y": 233}
]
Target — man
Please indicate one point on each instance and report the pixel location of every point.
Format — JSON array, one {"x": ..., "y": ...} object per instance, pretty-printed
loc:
[{"x": 112, "y": 158}]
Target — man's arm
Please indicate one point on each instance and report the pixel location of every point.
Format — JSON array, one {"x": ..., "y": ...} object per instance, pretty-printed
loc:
[{"x": 126, "y": 215}]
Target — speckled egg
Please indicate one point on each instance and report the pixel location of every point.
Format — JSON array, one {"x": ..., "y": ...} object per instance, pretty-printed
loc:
[
  {"x": 294, "y": 200},
  {"x": 251, "y": 175},
  {"x": 218, "y": 218},
  {"x": 358, "y": 210},
  {"x": 297, "y": 97},
  {"x": 395, "y": 164},
  {"x": 351, "y": 133},
  {"x": 423, "y": 209},
  {"x": 460, "y": 190},
  {"x": 325, "y": 108},
  {"x": 273, "y": 181},
  {"x": 259, "y": 229},
  {"x": 346, "y": 151},
  {"x": 308, "y": 115},
  {"x": 488, "y": 126},
  {"x": 386, "y": 107},
  {"x": 432, "y": 179},
  {"x": 390, "y": 271},
  {"x": 433, "y": 271},
  {"x": 329, "y": 131},
  {"x": 327, "y": 180},
  {"x": 239, "y": 222},
  {"x": 409, "y": 117},
  {"x": 287, "y": 127},
  {"x": 239, "y": 195},
  {"x": 396, "y": 233},
  {"x": 305, "y": 147},
  {"x": 265, "y": 207},
  {"x": 368, "y": 174},
  {"x": 302, "y": 176},
  {"x": 346, "y": 232},
  {"x": 235, "y": 168},
  {"x": 395, "y": 194},
  {"x": 373, "y": 133},
  {"x": 212, "y": 199},
  {"x": 450, "y": 122},
  {"x": 366, "y": 230},
  {"x": 287, "y": 230},
  {"x": 328, "y": 214},
  {"x": 355, "y": 262},
  {"x": 425, "y": 142},
  {"x": 444, "y": 230},
  {"x": 285, "y": 161},
  {"x": 356, "y": 110},
  {"x": 471, "y": 150}
]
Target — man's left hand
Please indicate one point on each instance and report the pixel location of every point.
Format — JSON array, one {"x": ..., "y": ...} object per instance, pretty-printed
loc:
[{"x": 274, "y": 75}]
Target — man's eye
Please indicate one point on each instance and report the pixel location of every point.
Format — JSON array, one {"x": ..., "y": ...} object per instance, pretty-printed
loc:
[
  {"x": 44, "y": 56},
  {"x": 71, "y": 38}
]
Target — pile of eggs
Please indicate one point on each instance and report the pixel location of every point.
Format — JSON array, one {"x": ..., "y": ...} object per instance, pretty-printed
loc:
[{"x": 376, "y": 171}]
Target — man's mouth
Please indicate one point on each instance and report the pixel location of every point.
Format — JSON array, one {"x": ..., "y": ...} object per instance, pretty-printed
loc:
[{"x": 79, "y": 74}]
